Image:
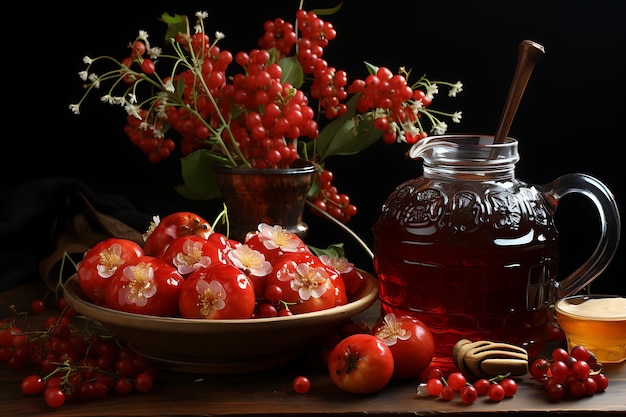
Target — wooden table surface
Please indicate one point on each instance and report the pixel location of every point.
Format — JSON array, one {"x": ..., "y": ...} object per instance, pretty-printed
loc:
[{"x": 270, "y": 393}]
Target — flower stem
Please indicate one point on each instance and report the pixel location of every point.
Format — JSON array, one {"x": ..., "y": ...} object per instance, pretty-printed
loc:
[{"x": 345, "y": 229}]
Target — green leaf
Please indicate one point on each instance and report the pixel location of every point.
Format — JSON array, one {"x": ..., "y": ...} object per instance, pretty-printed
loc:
[
  {"x": 315, "y": 188},
  {"x": 326, "y": 12},
  {"x": 175, "y": 24},
  {"x": 198, "y": 172},
  {"x": 371, "y": 68},
  {"x": 343, "y": 137},
  {"x": 292, "y": 71},
  {"x": 335, "y": 250}
]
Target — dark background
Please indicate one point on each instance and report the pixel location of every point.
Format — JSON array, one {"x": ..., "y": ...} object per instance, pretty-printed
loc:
[{"x": 570, "y": 118}]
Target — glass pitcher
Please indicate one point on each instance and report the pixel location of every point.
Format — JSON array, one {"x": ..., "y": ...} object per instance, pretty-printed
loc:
[{"x": 472, "y": 251}]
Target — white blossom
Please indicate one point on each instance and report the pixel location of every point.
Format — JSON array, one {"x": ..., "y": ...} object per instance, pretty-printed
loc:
[
  {"x": 440, "y": 128},
  {"x": 169, "y": 86},
  {"x": 157, "y": 133},
  {"x": 456, "y": 88},
  {"x": 95, "y": 80},
  {"x": 161, "y": 107},
  {"x": 211, "y": 296},
  {"x": 392, "y": 330},
  {"x": 133, "y": 110},
  {"x": 417, "y": 105},
  {"x": 248, "y": 259},
  {"x": 308, "y": 281},
  {"x": 141, "y": 285},
  {"x": 276, "y": 237},
  {"x": 191, "y": 257},
  {"x": 155, "y": 52},
  {"x": 431, "y": 90},
  {"x": 412, "y": 129},
  {"x": 342, "y": 265}
]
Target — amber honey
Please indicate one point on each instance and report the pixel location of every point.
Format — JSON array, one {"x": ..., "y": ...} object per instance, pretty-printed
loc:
[{"x": 596, "y": 322}]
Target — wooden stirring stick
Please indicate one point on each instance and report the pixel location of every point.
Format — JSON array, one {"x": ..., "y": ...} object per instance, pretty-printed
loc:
[{"x": 529, "y": 53}]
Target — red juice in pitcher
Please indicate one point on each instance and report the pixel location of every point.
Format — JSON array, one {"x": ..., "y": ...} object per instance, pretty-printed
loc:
[
  {"x": 469, "y": 250},
  {"x": 480, "y": 291}
]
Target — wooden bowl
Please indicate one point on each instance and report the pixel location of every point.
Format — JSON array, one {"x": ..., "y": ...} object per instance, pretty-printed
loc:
[{"x": 220, "y": 346}]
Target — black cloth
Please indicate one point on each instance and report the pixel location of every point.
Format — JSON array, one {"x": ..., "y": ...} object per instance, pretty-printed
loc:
[{"x": 40, "y": 217}]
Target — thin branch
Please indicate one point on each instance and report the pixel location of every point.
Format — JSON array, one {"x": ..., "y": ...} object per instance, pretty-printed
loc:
[{"x": 345, "y": 229}]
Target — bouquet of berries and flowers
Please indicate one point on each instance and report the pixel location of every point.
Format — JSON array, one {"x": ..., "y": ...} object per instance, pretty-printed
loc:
[{"x": 264, "y": 108}]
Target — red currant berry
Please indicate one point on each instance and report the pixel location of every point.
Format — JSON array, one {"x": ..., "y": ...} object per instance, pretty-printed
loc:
[
  {"x": 434, "y": 373},
  {"x": 267, "y": 310},
  {"x": 580, "y": 353},
  {"x": 601, "y": 380},
  {"x": 559, "y": 370},
  {"x": 273, "y": 293},
  {"x": 576, "y": 387},
  {"x": 37, "y": 306},
  {"x": 468, "y": 394},
  {"x": 143, "y": 382},
  {"x": 554, "y": 332},
  {"x": 456, "y": 380},
  {"x": 556, "y": 391},
  {"x": 54, "y": 397},
  {"x": 539, "y": 368},
  {"x": 482, "y": 386},
  {"x": 434, "y": 386},
  {"x": 448, "y": 393},
  {"x": 510, "y": 387},
  {"x": 32, "y": 384},
  {"x": 301, "y": 384},
  {"x": 560, "y": 354},
  {"x": 581, "y": 369},
  {"x": 591, "y": 386},
  {"x": 123, "y": 386},
  {"x": 496, "y": 392}
]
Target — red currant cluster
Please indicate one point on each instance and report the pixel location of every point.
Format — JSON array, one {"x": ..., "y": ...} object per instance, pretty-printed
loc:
[
  {"x": 76, "y": 365},
  {"x": 273, "y": 304},
  {"x": 329, "y": 200},
  {"x": 389, "y": 94},
  {"x": 395, "y": 103},
  {"x": 265, "y": 115},
  {"x": 576, "y": 372},
  {"x": 328, "y": 84},
  {"x": 437, "y": 385},
  {"x": 146, "y": 136}
]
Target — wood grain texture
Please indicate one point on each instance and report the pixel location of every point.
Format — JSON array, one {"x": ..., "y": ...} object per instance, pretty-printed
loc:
[{"x": 270, "y": 393}]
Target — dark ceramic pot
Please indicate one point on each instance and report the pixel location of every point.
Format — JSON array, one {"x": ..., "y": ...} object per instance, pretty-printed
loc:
[{"x": 272, "y": 196}]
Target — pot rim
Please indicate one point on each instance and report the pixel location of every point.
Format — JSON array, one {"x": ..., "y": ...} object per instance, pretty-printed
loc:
[{"x": 300, "y": 166}]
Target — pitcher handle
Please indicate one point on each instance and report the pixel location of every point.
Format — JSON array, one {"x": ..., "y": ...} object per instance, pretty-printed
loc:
[{"x": 610, "y": 228}]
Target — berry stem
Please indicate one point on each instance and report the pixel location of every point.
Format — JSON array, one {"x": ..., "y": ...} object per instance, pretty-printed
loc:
[{"x": 344, "y": 228}]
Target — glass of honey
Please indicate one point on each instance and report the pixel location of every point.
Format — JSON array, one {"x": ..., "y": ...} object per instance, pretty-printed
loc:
[{"x": 597, "y": 322}]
